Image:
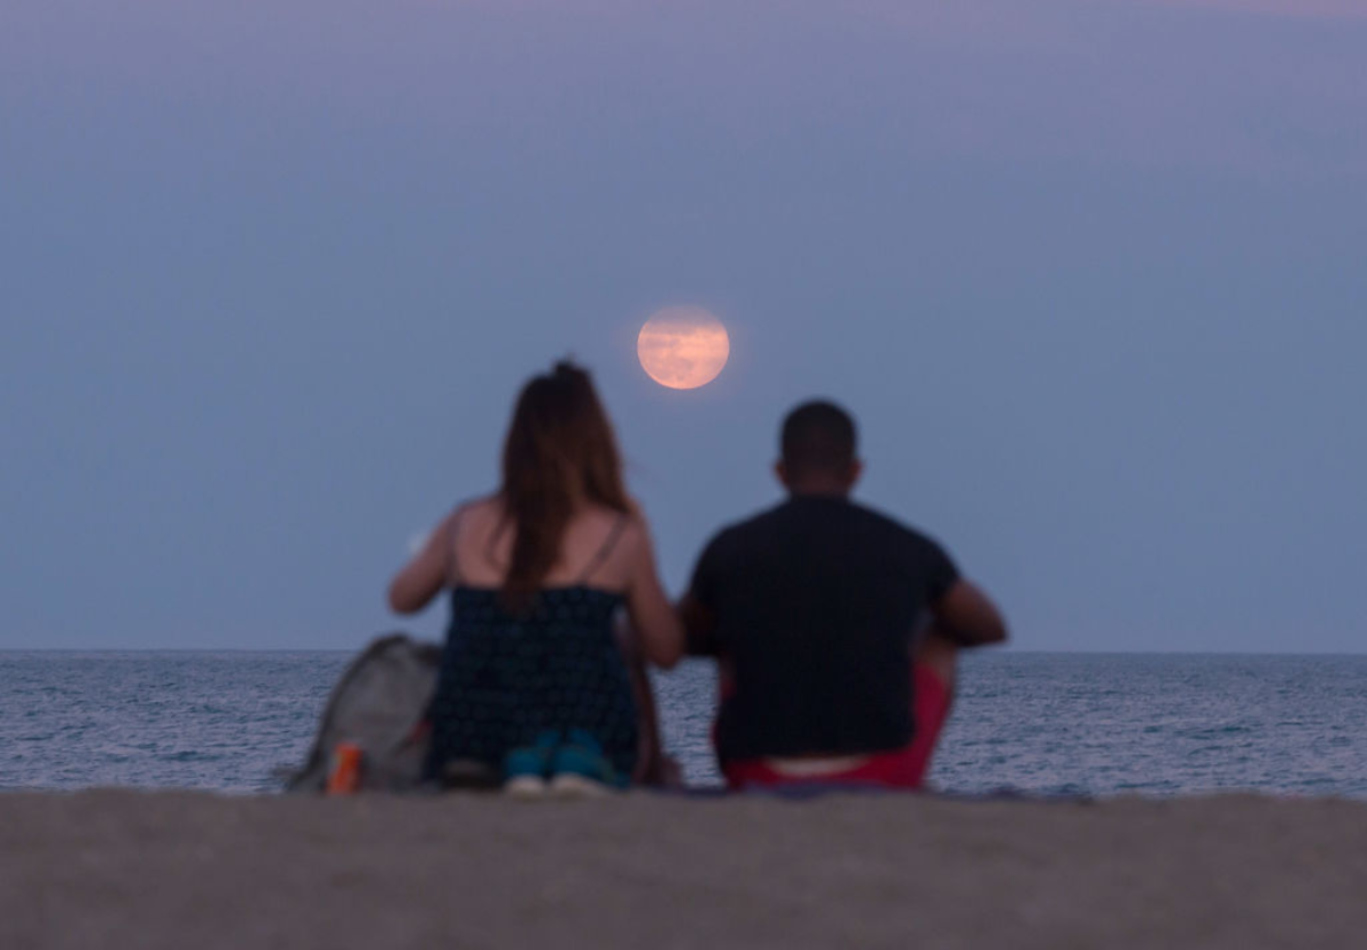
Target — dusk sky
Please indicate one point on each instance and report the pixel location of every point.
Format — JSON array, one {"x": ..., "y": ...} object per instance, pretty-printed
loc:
[{"x": 1092, "y": 275}]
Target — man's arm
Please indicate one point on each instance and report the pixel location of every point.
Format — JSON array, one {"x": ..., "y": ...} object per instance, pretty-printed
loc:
[
  {"x": 966, "y": 616},
  {"x": 697, "y": 607},
  {"x": 699, "y": 627}
]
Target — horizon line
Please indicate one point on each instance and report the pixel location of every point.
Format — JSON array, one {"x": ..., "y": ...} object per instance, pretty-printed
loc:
[{"x": 976, "y": 651}]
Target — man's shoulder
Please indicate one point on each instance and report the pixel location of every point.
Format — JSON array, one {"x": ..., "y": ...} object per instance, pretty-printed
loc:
[
  {"x": 893, "y": 527},
  {"x": 751, "y": 526},
  {"x": 759, "y": 528},
  {"x": 732, "y": 545}
]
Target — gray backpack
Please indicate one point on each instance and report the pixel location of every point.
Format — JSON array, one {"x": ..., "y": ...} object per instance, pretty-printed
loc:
[{"x": 380, "y": 703}]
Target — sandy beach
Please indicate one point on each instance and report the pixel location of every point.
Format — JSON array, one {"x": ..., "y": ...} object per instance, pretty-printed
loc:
[{"x": 190, "y": 870}]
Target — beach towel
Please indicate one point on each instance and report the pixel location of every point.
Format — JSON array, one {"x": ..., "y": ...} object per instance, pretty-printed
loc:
[{"x": 380, "y": 704}]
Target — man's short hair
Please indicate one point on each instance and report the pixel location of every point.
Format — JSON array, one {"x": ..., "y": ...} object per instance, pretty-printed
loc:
[{"x": 818, "y": 437}]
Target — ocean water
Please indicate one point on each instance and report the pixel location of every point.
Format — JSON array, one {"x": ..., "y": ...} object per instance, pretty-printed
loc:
[{"x": 1098, "y": 724}]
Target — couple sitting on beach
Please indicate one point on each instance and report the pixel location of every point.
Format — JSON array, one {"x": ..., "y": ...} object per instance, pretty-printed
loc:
[{"x": 835, "y": 628}]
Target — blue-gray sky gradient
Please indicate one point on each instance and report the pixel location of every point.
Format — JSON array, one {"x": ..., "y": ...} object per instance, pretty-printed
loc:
[{"x": 1091, "y": 274}]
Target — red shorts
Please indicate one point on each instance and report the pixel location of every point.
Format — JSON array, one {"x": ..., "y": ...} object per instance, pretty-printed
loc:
[{"x": 902, "y": 768}]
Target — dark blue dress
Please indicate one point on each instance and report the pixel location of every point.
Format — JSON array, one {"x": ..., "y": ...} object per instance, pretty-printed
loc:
[{"x": 506, "y": 678}]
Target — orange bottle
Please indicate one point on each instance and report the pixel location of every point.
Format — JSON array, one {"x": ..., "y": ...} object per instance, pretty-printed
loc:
[{"x": 344, "y": 777}]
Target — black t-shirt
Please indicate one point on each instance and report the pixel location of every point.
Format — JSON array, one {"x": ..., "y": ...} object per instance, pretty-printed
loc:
[{"x": 816, "y": 604}]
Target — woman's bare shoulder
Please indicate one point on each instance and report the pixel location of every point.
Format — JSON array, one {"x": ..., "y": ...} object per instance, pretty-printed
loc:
[
  {"x": 481, "y": 508},
  {"x": 469, "y": 517}
]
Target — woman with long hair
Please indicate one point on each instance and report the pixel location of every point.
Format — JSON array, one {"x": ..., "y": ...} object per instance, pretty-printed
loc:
[{"x": 534, "y": 679}]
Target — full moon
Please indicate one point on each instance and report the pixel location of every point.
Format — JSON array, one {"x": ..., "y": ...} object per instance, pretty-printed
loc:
[{"x": 683, "y": 347}]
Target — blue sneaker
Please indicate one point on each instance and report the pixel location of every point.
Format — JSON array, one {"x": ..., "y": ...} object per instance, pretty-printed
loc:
[
  {"x": 580, "y": 769},
  {"x": 525, "y": 769}
]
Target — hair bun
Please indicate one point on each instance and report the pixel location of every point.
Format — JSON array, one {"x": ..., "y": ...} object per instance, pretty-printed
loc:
[{"x": 568, "y": 369}]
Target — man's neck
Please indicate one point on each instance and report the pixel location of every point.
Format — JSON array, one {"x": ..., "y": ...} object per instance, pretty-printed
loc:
[{"x": 819, "y": 490}]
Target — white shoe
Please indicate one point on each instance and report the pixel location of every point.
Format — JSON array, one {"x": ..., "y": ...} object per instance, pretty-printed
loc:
[{"x": 525, "y": 787}]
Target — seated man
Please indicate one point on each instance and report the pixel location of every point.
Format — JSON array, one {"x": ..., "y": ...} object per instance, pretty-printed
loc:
[{"x": 836, "y": 628}]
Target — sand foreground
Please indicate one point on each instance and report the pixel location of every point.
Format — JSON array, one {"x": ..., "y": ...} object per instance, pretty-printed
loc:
[{"x": 196, "y": 871}]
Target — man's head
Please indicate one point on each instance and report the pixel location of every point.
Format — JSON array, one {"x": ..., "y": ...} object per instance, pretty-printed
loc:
[{"x": 818, "y": 450}]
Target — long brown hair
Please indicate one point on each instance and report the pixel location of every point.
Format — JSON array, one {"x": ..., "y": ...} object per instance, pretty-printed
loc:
[{"x": 560, "y": 452}]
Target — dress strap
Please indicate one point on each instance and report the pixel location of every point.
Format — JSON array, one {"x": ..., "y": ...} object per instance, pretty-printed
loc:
[{"x": 603, "y": 552}]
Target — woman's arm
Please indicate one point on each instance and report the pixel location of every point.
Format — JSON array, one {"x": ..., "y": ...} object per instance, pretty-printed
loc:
[
  {"x": 423, "y": 577},
  {"x": 657, "y": 625},
  {"x": 653, "y": 766}
]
